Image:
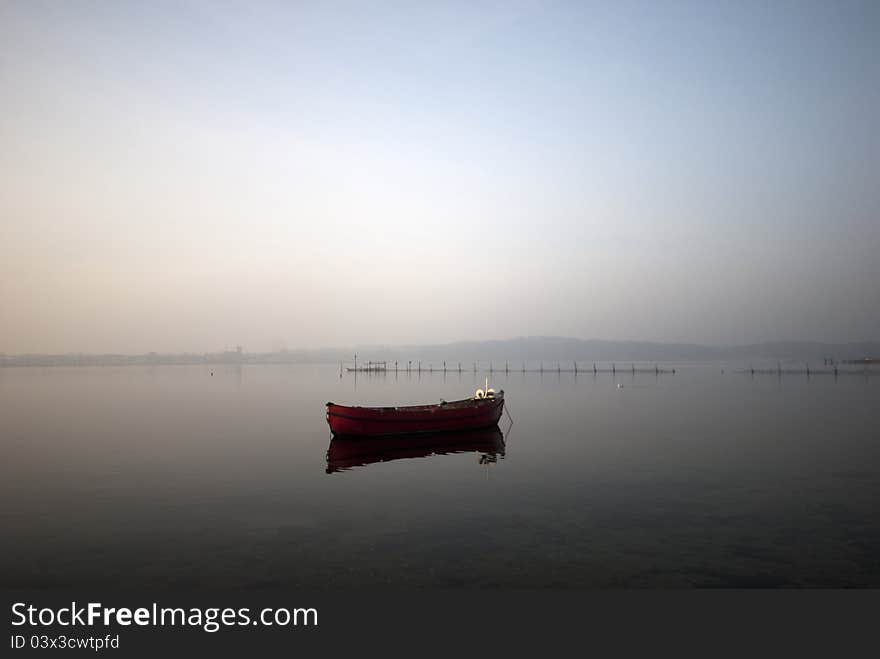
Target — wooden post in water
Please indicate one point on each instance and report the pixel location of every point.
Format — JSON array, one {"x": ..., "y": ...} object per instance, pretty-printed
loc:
[
  {"x": 575, "y": 368},
  {"x": 444, "y": 365},
  {"x": 505, "y": 368},
  {"x": 595, "y": 370},
  {"x": 420, "y": 366},
  {"x": 613, "y": 369}
]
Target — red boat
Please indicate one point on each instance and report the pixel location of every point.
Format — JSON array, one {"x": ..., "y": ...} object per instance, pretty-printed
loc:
[{"x": 481, "y": 411}]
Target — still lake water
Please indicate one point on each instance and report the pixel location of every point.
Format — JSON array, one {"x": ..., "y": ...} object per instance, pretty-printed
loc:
[{"x": 168, "y": 476}]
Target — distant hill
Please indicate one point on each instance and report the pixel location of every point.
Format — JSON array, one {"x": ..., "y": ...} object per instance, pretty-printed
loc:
[
  {"x": 517, "y": 350},
  {"x": 552, "y": 348}
]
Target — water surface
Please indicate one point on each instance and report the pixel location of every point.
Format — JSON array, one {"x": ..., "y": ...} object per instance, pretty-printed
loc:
[{"x": 171, "y": 476}]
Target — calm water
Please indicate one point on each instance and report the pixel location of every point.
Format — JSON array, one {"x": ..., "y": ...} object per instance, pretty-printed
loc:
[{"x": 169, "y": 476}]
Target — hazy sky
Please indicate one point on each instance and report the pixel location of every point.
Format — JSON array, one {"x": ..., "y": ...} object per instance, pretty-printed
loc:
[{"x": 194, "y": 175}]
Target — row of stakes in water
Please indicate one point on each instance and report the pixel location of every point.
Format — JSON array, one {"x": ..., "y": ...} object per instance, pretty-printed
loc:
[{"x": 381, "y": 367}]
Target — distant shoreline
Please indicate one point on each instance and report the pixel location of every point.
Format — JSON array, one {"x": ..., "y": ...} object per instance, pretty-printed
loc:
[{"x": 511, "y": 352}]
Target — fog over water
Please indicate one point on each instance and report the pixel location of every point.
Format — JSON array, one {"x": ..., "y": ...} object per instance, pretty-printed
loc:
[{"x": 188, "y": 176}]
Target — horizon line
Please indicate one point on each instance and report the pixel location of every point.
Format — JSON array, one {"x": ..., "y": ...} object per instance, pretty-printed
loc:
[{"x": 359, "y": 346}]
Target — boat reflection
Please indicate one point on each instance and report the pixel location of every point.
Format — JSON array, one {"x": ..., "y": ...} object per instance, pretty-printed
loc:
[{"x": 344, "y": 454}]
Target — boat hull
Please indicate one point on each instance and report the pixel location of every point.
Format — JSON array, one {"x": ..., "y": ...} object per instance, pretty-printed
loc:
[{"x": 469, "y": 414}]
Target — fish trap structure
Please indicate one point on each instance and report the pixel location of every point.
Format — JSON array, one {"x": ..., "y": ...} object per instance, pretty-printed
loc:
[
  {"x": 832, "y": 369},
  {"x": 417, "y": 366},
  {"x": 369, "y": 367}
]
